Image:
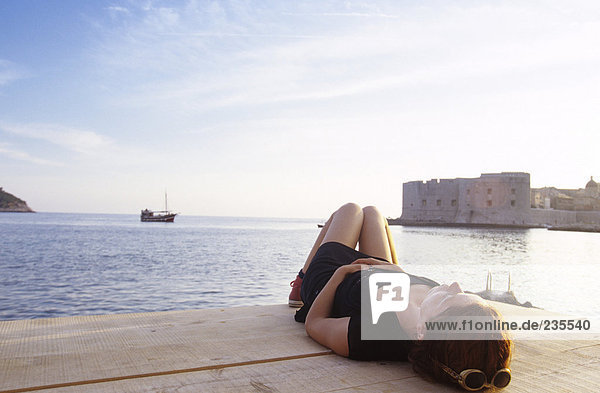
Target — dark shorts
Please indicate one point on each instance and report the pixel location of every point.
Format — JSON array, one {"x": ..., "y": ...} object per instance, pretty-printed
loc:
[{"x": 328, "y": 258}]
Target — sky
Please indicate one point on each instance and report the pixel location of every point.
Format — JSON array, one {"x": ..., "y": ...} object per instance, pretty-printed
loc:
[{"x": 290, "y": 108}]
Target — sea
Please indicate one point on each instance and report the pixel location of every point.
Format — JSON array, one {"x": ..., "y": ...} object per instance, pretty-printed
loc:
[{"x": 58, "y": 264}]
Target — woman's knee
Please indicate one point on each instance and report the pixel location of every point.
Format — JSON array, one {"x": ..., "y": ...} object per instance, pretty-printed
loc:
[
  {"x": 351, "y": 208},
  {"x": 345, "y": 225},
  {"x": 349, "y": 211},
  {"x": 372, "y": 212}
]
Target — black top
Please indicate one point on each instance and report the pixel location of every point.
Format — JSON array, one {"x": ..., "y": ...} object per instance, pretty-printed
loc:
[{"x": 347, "y": 303}]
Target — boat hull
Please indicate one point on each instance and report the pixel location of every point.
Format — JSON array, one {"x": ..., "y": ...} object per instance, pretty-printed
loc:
[
  {"x": 154, "y": 216},
  {"x": 162, "y": 218}
]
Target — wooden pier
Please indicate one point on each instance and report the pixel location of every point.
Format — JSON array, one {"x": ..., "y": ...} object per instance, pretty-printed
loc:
[{"x": 247, "y": 349}]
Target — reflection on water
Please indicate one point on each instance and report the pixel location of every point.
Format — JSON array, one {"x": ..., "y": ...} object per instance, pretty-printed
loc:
[
  {"x": 73, "y": 264},
  {"x": 554, "y": 270}
]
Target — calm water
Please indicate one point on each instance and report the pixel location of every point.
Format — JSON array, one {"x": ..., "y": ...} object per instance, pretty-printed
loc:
[{"x": 74, "y": 264}]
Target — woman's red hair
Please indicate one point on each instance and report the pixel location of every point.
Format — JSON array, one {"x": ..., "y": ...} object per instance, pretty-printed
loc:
[{"x": 490, "y": 354}]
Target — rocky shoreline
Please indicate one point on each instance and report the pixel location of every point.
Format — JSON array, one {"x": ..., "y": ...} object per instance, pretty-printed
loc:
[
  {"x": 18, "y": 209},
  {"x": 11, "y": 204},
  {"x": 576, "y": 227}
]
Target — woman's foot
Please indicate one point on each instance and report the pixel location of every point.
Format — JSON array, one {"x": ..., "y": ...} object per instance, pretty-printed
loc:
[{"x": 294, "y": 299}]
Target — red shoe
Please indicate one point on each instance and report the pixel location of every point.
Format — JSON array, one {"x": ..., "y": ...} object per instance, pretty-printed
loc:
[{"x": 294, "y": 299}]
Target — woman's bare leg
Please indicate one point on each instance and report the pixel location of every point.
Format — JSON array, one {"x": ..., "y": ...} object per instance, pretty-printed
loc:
[
  {"x": 317, "y": 244},
  {"x": 344, "y": 226},
  {"x": 348, "y": 225},
  {"x": 374, "y": 239}
]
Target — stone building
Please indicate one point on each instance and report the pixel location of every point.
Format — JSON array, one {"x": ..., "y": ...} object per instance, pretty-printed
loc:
[
  {"x": 498, "y": 199},
  {"x": 582, "y": 199},
  {"x": 491, "y": 199}
]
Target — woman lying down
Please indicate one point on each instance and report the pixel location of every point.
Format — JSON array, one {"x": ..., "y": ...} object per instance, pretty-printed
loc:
[{"x": 328, "y": 289}]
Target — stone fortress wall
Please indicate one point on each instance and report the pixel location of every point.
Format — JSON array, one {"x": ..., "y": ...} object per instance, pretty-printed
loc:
[{"x": 493, "y": 199}]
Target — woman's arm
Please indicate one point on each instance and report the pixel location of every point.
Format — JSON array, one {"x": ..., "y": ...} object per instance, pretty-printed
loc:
[
  {"x": 378, "y": 263},
  {"x": 330, "y": 332}
]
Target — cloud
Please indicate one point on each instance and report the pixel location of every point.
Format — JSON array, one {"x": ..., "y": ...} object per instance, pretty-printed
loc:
[
  {"x": 81, "y": 141},
  {"x": 93, "y": 152},
  {"x": 206, "y": 57},
  {"x": 346, "y": 14},
  {"x": 9, "y": 72},
  {"x": 118, "y": 9},
  {"x": 7, "y": 150}
]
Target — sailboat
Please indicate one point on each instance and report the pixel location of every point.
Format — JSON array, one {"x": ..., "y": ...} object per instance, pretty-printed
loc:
[{"x": 159, "y": 215}]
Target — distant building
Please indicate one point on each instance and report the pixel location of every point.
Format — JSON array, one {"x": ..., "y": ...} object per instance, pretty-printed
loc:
[
  {"x": 497, "y": 199},
  {"x": 582, "y": 199},
  {"x": 491, "y": 199}
]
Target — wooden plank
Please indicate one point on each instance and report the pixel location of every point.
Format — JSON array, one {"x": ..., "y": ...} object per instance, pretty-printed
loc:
[
  {"x": 43, "y": 352},
  {"x": 556, "y": 366},
  {"x": 561, "y": 370},
  {"x": 320, "y": 374},
  {"x": 239, "y": 349}
]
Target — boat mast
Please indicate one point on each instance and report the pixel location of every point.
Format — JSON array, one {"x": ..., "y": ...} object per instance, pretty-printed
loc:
[{"x": 166, "y": 210}]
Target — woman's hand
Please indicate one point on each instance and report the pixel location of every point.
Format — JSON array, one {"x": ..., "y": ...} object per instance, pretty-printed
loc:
[
  {"x": 343, "y": 271},
  {"x": 382, "y": 265},
  {"x": 370, "y": 261}
]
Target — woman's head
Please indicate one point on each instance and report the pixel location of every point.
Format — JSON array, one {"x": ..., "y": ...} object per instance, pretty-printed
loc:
[
  {"x": 441, "y": 298},
  {"x": 444, "y": 359}
]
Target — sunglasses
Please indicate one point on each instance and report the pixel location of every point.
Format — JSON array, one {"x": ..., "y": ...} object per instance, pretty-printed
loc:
[{"x": 472, "y": 379}]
